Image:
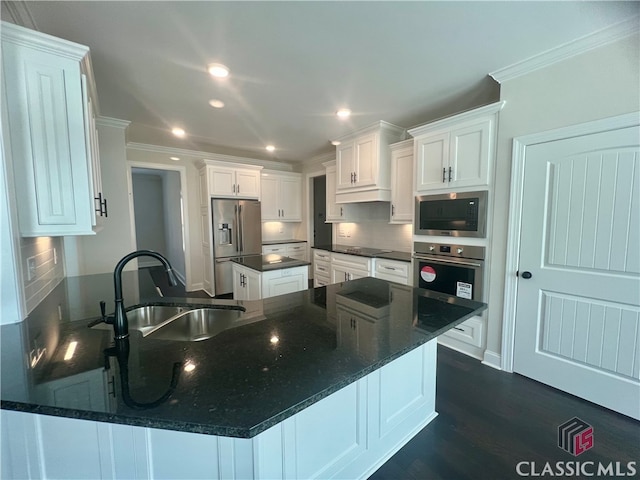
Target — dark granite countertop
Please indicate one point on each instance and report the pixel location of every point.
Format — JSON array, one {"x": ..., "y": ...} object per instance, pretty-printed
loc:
[
  {"x": 270, "y": 261},
  {"x": 367, "y": 252},
  {"x": 278, "y": 242},
  {"x": 260, "y": 367}
]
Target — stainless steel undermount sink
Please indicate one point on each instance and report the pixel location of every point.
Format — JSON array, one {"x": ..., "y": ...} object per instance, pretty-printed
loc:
[
  {"x": 180, "y": 322},
  {"x": 198, "y": 324}
]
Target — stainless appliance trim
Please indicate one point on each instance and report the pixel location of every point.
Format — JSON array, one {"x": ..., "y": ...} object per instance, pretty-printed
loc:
[
  {"x": 482, "y": 196},
  {"x": 474, "y": 259},
  {"x": 436, "y": 258}
]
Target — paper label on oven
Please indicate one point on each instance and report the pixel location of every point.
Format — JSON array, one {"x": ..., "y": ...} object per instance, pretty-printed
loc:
[
  {"x": 428, "y": 274},
  {"x": 464, "y": 290}
]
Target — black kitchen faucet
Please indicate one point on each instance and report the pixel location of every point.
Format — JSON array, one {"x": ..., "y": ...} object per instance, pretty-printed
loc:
[{"x": 119, "y": 319}]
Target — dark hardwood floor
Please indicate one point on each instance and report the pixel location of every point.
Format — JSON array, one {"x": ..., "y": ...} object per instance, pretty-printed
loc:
[{"x": 490, "y": 420}]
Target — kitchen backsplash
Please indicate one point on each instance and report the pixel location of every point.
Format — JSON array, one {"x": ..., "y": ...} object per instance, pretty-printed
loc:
[
  {"x": 280, "y": 231},
  {"x": 44, "y": 257},
  {"x": 374, "y": 235}
]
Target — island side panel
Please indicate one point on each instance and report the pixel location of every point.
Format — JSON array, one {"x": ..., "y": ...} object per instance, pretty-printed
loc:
[{"x": 348, "y": 434}]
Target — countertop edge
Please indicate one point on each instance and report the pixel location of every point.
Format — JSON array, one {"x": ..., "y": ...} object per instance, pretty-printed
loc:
[{"x": 225, "y": 431}]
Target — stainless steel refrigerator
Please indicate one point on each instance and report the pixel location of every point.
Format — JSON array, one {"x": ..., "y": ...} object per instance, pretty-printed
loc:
[{"x": 237, "y": 231}]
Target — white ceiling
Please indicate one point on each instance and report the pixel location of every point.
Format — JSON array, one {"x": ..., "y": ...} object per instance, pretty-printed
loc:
[{"x": 293, "y": 64}]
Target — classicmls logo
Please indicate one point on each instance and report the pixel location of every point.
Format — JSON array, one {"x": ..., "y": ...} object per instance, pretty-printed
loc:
[{"x": 575, "y": 436}]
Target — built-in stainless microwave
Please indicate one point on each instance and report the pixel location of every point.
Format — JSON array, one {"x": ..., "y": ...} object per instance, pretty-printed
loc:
[{"x": 452, "y": 214}]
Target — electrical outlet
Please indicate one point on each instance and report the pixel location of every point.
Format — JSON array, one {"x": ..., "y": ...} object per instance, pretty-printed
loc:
[{"x": 31, "y": 268}]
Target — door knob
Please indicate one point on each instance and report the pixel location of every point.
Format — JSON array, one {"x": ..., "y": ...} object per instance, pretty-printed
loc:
[{"x": 526, "y": 275}]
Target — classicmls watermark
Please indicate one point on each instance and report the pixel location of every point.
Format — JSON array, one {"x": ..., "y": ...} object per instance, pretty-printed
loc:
[{"x": 575, "y": 437}]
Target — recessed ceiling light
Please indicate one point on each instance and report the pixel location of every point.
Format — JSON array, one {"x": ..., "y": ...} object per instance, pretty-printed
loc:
[
  {"x": 270, "y": 148},
  {"x": 216, "y": 103},
  {"x": 335, "y": 142},
  {"x": 217, "y": 70},
  {"x": 343, "y": 113},
  {"x": 175, "y": 159},
  {"x": 178, "y": 132}
]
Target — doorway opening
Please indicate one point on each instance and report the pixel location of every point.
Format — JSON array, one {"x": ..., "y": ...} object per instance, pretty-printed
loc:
[
  {"x": 322, "y": 232},
  {"x": 158, "y": 217}
]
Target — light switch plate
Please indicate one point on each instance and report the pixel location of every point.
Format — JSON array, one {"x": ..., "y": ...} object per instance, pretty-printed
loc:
[{"x": 31, "y": 268}]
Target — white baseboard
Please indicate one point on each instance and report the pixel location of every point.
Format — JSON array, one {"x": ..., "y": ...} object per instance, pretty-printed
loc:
[{"x": 492, "y": 359}]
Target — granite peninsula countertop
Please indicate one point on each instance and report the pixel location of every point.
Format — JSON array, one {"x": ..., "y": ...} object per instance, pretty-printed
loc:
[
  {"x": 276, "y": 358},
  {"x": 367, "y": 252},
  {"x": 269, "y": 261}
]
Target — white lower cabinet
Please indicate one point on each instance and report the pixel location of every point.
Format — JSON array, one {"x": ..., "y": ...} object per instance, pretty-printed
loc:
[
  {"x": 349, "y": 267},
  {"x": 348, "y": 434},
  {"x": 467, "y": 337},
  {"x": 249, "y": 284},
  {"x": 392, "y": 270},
  {"x": 321, "y": 268}
]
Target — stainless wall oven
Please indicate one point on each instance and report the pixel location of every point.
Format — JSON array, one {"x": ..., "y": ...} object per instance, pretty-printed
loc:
[
  {"x": 452, "y": 269},
  {"x": 452, "y": 214}
]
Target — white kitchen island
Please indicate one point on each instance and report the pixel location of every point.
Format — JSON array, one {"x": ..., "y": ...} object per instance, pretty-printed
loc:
[
  {"x": 262, "y": 276},
  {"x": 329, "y": 383}
]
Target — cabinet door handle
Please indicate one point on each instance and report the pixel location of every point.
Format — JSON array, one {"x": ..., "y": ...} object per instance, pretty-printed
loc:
[
  {"x": 449, "y": 173},
  {"x": 238, "y": 188},
  {"x": 444, "y": 174},
  {"x": 234, "y": 188},
  {"x": 283, "y": 212},
  {"x": 104, "y": 204},
  {"x": 340, "y": 211},
  {"x": 393, "y": 209},
  {"x": 355, "y": 177}
]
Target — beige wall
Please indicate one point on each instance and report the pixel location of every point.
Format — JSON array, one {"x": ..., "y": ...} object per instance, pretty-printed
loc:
[
  {"x": 597, "y": 84},
  {"x": 88, "y": 255}
]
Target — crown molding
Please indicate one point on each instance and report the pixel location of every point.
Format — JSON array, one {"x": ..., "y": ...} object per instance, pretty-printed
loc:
[
  {"x": 204, "y": 156},
  {"x": 490, "y": 109},
  {"x": 43, "y": 42},
  {"x": 112, "y": 122},
  {"x": 20, "y": 14},
  {"x": 581, "y": 45}
]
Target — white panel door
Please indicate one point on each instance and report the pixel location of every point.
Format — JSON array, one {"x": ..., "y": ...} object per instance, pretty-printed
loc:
[
  {"x": 578, "y": 315},
  {"x": 366, "y": 172},
  {"x": 248, "y": 183},
  {"x": 470, "y": 150},
  {"x": 346, "y": 165}
]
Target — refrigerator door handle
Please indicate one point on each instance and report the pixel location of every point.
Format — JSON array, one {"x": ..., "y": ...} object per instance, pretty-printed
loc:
[
  {"x": 241, "y": 229},
  {"x": 237, "y": 222}
]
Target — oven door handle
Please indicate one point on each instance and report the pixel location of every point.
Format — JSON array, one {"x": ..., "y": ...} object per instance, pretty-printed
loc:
[{"x": 446, "y": 260}]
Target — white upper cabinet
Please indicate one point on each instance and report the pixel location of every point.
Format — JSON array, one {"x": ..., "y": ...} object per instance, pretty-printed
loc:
[
  {"x": 336, "y": 213},
  {"x": 363, "y": 164},
  {"x": 456, "y": 152},
  {"x": 281, "y": 196},
  {"x": 401, "y": 181},
  {"x": 228, "y": 180},
  {"x": 50, "y": 104}
]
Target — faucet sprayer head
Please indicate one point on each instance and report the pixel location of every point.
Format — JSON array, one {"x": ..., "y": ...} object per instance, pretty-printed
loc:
[{"x": 171, "y": 277}]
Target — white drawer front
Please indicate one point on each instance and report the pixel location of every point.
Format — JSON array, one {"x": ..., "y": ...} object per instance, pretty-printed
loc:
[
  {"x": 391, "y": 267},
  {"x": 321, "y": 255},
  {"x": 296, "y": 247},
  {"x": 279, "y": 249},
  {"x": 321, "y": 268},
  {"x": 320, "y": 281},
  {"x": 353, "y": 261},
  {"x": 469, "y": 332}
]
